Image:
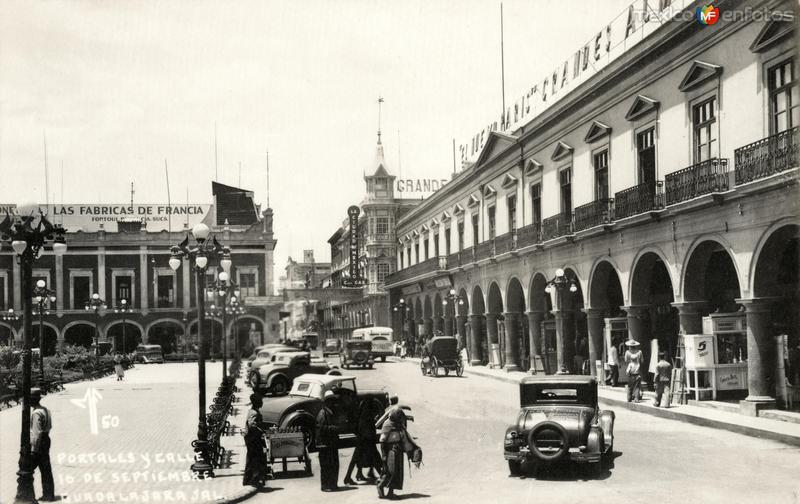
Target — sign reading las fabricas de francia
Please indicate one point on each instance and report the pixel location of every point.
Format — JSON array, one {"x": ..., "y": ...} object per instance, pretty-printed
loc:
[
  {"x": 627, "y": 29},
  {"x": 88, "y": 217}
]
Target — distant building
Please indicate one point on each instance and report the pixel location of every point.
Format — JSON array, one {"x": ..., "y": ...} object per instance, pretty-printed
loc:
[
  {"x": 123, "y": 251},
  {"x": 306, "y": 274}
]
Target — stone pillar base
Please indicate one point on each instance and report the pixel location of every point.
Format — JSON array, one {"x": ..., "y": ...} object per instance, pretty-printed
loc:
[
  {"x": 511, "y": 367},
  {"x": 752, "y": 405}
]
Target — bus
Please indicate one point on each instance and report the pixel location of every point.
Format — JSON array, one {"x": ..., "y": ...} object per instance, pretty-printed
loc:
[
  {"x": 381, "y": 338},
  {"x": 149, "y": 353}
]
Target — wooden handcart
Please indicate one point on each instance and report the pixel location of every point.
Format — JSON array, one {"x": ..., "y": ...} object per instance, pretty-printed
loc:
[{"x": 287, "y": 445}]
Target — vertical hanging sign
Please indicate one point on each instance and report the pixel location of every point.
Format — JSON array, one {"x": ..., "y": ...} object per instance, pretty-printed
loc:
[{"x": 355, "y": 273}]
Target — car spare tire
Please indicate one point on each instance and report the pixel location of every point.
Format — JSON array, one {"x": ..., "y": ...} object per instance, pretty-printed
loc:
[
  {"x": 360, "y": 357},
  {"x": 548, "y": 441}
]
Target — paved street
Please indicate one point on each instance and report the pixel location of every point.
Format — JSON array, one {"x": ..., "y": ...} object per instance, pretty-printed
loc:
[{"x": 459, "y": 424}]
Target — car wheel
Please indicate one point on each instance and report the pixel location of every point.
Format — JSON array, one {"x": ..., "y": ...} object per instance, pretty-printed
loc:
[
  {"x": 422, "y": 368},
  {"x": 307, "y": 426},
  {"x": 280, "y": 386},
  {"x": 435, "y": 370},
  {"x": 514, "y": 467}
]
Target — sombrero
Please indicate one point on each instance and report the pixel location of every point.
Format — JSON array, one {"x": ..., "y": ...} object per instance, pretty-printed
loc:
[{"x": 631, "y": 343}]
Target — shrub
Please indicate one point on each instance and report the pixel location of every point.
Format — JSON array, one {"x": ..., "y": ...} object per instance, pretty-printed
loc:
[{"x": 9, "y": 358}]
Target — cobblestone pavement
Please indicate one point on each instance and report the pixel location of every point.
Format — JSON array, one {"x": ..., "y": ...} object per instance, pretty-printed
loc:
[{"x": 141, "y": 451}]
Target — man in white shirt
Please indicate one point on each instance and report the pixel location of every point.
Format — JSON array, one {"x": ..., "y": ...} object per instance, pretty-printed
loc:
[
  {"x": 613, "y": 365},
  {"x": 41, "y": 423}
]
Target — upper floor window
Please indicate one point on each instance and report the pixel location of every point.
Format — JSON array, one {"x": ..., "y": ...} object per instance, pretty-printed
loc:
[
  {"x": 565, "y": 178},
  {"x": 382, "y": 225},
  {"x": 416, "y": 253},
  {"x": 474, "y": 230},
  {"x": 784, "y": 97},
  {"x": 383, "y": 272},
  {"x": 436, "y": 244},
  {"x": 461, "y": 235},
  {"x": 512, "y": 213},
  {"x": 601, "y": 175},
  {"x": 492, "y": 221},
  {"x": 646, "y": 153},
  {"x": 536, "y": 203},
  {"x": 705, "y": 131},
  {"x": 447, "y": 240},
  {"x": 124, "y": 288},
  {"x": 402, "y": 255},
  {"x": 165, "y": 291},
  {"x": 247, "y": 284},
  {"x": 427, "y": 247}
]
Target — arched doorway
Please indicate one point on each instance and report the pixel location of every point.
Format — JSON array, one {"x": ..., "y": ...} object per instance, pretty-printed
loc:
[
  {"x": 80, "y": 334},
  {"x": 212, "y": 330},
  {"x": 247, "y": 330},
  {"x": 479, "y": 345},
  {"x": 651, "y": 316},
  {"x": 516, "y": 327},
  {"x": 125, "y": 337},
  {"x": 575, "y": 330},
  {"x": 542, "y": 341},
  {"x": 773, "y": 312},
  {"x": 494, "y": 319},
  {"x": 169, "y": 334},
  {"x": 417, "y": 321},
  {"x": 711, "y": 277},
  {"x": 50, "y": 338},
  {"x": 606, "y": 299},
  {"x": 438, "y": 314}
]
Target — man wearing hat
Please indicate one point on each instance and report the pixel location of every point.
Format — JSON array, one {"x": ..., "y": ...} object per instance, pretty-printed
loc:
[
  {"x": 41, "y": 423},
  {"x": 634, "y": 357},
  {"x": 327, "y": 438},
  {"x": 255, "y": 469}
]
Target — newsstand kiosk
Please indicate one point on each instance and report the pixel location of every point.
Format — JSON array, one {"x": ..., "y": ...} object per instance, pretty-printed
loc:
[{"x": 717, "y": 359}]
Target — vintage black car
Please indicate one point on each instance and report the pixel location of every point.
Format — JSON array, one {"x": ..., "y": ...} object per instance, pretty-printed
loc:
[
  {"x": 559, "y": 420},
  {"x": 356, "y": 353},
  {"x": 331, "y": 346},
  {"x": 300, "y": 407},
  {"x": 442, "y": 353},
  {"x": 265, "y": 356},
  {"x": 277, "y": 376}
]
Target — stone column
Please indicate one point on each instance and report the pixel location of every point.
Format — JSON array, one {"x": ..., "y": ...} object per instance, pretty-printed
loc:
[
  {"x": 638, "y": 330},
  {"x": 512, "y": 341},
  {"x": 760, "y": 356},
  {"x": 144, "y": 298},
  {"x": 594, "y": 323},
  {"x": 565, "y": 339},
  {"x": 428, "y": 323},
  {"x": 101, "y": 272},
  {"x": 476, "y": 329},
  {"x": 461, "y": 330},
  {"x": 535, "y": 334},
  {"x": 60, "y": 298},
  {"x": 448, "y": 326},
  {"x": 690, "y": 314},
  {"x": 491, "y": 327}
]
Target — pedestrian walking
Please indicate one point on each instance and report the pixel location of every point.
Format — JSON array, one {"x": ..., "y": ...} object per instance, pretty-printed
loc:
[
  {"x": 663, "y": 377},
  {"x": 256, "y": 470},
  {"x": 633, "y": 358},
  {"x": 41, "y": 424},
  {"x": 613, "y": 365},
  {"x": 365, "y": 455},
  {"x": 395, "y": 442},
  {"x": 327, "y": 438},
  {"x": 118, "y": 366}
]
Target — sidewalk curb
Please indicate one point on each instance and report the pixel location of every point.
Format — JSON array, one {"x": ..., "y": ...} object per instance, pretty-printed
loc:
[
  {"x": 668, "y": 413},
  {"x": 240, "y": 496}
]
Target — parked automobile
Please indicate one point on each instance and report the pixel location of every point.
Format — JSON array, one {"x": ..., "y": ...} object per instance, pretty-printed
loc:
[
  {"x": 149, "y": 353},
  {"x": 259, "y": 348},
  {"x": 356, "y": 353},
  {"x": 265, "y": 356},
  {"x": 331, "y": 346},
  {"x": 300, "y": 407},
  {"x": 277, "y": 376},
  {"x": 381, "y": 337},
  {"x": 559, "y": 421},
  {"x": 442, "y": 354}
]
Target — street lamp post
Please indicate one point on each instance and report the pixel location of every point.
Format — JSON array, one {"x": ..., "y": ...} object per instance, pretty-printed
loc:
[
  {"x": 556, "y": 288},
  {"x": 185, "y": 321},
  {"x": 123, "y": 307},
  {"x": 199, "y": 254},
  {"x": 28, "y": 232},
  {"x": 452, "y": 299},
  {"x": 96, "y": 304},
  {"x": 42, "y": 295},
  {"x": 235, "y": 308},
  {"x": 403, "y": 310},
  {"x": 226, "y": 290}
]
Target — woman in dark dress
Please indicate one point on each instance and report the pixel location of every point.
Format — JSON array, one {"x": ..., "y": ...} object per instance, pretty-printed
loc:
[{"x": 365, "y": 455}]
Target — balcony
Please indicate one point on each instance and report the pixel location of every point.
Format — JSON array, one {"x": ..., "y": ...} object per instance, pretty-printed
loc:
[
  {"x": 556, "y": 226},
  {"x": 505, "y": 243},
  {"x": 638, "y": 199},
  {"x": 766, "y": 157},
  {"x": 706, "y": 177},
  {"x": 427, "y": 266},
  {"x": 529, "y": 235},
  {"x": 485, "y": 250},
  {"x": 593, "y": 214}
]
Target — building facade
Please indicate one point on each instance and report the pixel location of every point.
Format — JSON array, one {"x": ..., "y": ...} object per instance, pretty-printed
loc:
[
  {"x": 128, "y": 258},
  {"x": 660, "y": 191},
  {"x": 377, "y": 249},
  {"x": 308, "y": 273}
]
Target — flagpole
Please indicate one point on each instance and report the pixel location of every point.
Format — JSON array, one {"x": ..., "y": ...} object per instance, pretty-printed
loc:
[{"x": 502, "y": 64}]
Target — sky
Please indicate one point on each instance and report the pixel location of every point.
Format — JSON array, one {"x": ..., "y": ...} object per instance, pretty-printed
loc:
[{"x": 120, "y": 87}]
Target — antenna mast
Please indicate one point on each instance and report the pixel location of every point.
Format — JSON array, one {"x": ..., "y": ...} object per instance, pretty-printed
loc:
[
  {"x": 380, "y": 101},
  {"x": 268, "y": 178},
  {"x": 46, "y": 177}
]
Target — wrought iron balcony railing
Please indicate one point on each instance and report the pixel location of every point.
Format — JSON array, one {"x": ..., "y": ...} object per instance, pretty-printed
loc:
[
  {"x": 593, "y": 214},
  {"x": 705, "y": 177},
  {"x": 638, "y": 199},
  {"x": 427, "y": 266},
  {"x": 529, "y": 235},
  {"x": 767, "y": 156},
  {"x": 556, "y": 226},
  {"x": 485, "y": 249},
  {"x": 505, "y": 243}
]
